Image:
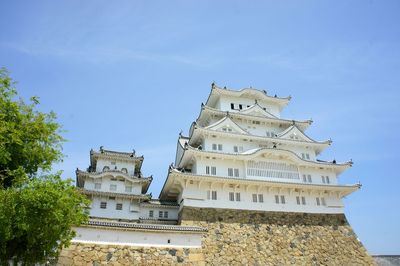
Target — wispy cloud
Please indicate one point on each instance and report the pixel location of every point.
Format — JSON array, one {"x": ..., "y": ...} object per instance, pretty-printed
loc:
[{"x": 101, "y": 55}]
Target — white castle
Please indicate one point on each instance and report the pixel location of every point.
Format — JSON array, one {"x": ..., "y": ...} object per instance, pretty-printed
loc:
[{"x": 240, "y": 154}]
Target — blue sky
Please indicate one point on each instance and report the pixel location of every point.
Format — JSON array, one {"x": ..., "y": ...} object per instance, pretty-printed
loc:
[{"x": 132, "y": 74}]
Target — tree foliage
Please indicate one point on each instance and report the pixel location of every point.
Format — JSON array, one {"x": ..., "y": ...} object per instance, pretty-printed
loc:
[
  {"x": 29, "y": 139},
  {"x": 37, "y": 212}
]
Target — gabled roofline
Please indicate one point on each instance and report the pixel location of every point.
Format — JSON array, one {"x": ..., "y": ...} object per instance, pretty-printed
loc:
[
  {"x": 234, "y": 134},
  {"x": 294, "y": 126},
  {"x": 227, "y": 117},
  {"x": 283, "y": 101},
  {"x": 207, "y": 108},
  {"x": 256, "y": 152},
  {"x": 115, "y": 155},
  {"x": 176, "y": 173},
  {"x": 144, "y": 180},
  {"x": 256, "y": 105}
]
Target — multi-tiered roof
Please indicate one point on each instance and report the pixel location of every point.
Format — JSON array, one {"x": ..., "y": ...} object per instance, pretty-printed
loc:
[{"x": 270, "y": 152}]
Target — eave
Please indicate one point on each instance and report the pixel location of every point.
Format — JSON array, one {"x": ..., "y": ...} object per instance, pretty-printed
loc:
[
  {"x": 177, "y": 179},
  {"x": 114, "y": 194},
  {"x": 80, "y": 175},
  {"x": 196, "y": 131},
  {"x": 191, "y": 152},
  {"x": 146, "y": 227},
  {"x": 249, "y": 92},
  {"x": 115, "y": 156}
]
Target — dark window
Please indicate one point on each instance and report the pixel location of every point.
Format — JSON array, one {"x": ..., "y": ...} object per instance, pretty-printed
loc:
[
  {"x": 240, "y": 106},
  {"x": 103, "y": 205},
  {"x": 232, "y": 106},
  {"x": 118, "y": 206}
]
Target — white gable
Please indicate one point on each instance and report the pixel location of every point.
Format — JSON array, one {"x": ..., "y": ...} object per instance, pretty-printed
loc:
[
  {"x": 294, "y": 133},
  {"x": 257, "y": 110},
  {"x": 226, "y": 124}
]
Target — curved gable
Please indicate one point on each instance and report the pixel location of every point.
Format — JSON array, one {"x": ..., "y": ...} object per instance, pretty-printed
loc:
[
  {"x": 257, "y": 110},
  {"x": 294, "y": 133},
  {"x": 228, "y": 125}
]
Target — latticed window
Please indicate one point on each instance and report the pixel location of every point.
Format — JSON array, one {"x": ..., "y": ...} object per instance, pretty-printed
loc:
[
  {"x": 254, "y": 197},
  {"x": 165, "y": 214},
  {"x": 237, "y": 196},
  {"x": 230, "y": 172},
  {"x": 231, "y": 196},
  {"x": 272, "y": 169},
  {"x": 213, "y": 170},
  {"x": 151, "y": 214},
  {"x": 214, "y": 195},
  {"x": 260, "y": 198},
  {"x": 103, "y": 205},
  {"x": 118, "y": 206}
]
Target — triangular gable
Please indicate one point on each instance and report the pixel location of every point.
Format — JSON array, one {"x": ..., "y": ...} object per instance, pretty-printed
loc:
[
  {"x": 294, "y": 133},
  {"x": 226, "y": 124},
  {"x": 257, "y": 110},
  {"x": 262, "y": 154}
]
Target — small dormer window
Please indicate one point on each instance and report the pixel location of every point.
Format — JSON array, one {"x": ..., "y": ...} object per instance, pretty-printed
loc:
[
  {"x": 124, "y": 170},
  {"x": 240, "y": 107},
  {"x": 232, "y": 106},
  {"x": 106, "y": 168}
]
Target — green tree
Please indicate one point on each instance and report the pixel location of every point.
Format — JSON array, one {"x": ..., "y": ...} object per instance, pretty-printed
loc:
[{"x": 37, "y": 209}]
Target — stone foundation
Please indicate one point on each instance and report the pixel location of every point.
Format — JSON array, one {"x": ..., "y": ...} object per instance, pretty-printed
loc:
[
  {"x": 95, "y": 255},
  {"x": 238, "y": 237}
]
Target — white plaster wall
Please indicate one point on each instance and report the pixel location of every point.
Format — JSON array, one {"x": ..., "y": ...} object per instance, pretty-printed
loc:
[
  {"x": 197, "y": 197},
  {"x": 118, "y": 166},
  {"x": 137, "y": 238},
  {"x": 317, "y": 174},
  {"x": 106, "y": 182},
  {"x": 222, "y": 166},
  {"x": 111, "y": 212},
  {"x": 172, "y": 212}
]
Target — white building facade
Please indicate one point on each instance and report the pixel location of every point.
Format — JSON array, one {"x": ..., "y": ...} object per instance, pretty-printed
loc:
[
  {"x": 240, "y": 154},
  {"x": 117, "y": 189}
]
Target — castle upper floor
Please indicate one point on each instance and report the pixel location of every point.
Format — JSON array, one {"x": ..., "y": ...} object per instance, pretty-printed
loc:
[
  {"x": 107, "y": 160},
  {"x": 224, "y": 99}
]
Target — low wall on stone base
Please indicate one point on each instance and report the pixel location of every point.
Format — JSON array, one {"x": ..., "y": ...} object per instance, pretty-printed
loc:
[
  {"x": 96, "y": 254},
  {"x": 239, "y": 237}
]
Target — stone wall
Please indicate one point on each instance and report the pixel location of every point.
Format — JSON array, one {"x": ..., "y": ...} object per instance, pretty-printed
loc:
[
  {"x": 95, "y": 255},
  {"x": 241, "y": 238},
  {"x": 274, "y": 238}
]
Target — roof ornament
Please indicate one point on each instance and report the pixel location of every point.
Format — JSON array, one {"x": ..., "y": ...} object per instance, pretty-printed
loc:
[
  {"x": 101, "y": 149},
  {"x": 228, "y": 114},
  {"x": 274, "y": 145},
  {"x": 255, "y": 101},
  {"x": 225, "y": 87},
  {"x": 180, "y": 133},
  {"x": 265, "y": 92},
  {"x": 213, "y": 85},
  {"x": 133, "y": 151},
  {"x": 202, "y": 104},
  {"x": 293, "y": 122},
  {"x": 334, "y": 161},
  {"x": 275, "y": 96}
]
